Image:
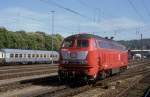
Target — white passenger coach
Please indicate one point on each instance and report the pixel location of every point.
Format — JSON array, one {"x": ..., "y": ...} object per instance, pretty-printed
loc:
[{"x": 27, "y": 56}]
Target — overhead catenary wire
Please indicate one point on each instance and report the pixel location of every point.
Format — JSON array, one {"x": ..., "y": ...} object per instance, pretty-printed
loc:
[
  {"x": 100, "y": 13},
  {"x": 139, "y": 15},
  {"x": 82, "y": 2},
  {"x": 145, "y": 7},
  {"x": 67, "y": 9},
  {"x": 136, "y": 10},
  {"x": 97, "y": 11}
]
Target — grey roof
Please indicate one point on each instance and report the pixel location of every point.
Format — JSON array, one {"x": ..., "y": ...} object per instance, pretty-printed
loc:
[
  {"x": 140, "y": 50},
  {"x": 26, "y": 51}
]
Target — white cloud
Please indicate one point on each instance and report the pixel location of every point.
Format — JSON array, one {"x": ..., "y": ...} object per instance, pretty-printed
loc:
[
  {"x": 115, "y": 24},
  {"x": 24, "y": 19}
]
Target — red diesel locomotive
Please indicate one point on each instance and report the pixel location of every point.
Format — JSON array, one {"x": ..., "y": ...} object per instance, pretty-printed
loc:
[{"x": 89, "y": 57}]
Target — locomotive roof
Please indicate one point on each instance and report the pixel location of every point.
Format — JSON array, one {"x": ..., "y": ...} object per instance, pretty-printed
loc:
[
  {"x": 93, "y": 36},
  {"x": 84, "y": 36}
]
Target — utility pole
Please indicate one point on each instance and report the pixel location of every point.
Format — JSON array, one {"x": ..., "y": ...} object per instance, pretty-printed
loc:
[
  {"x": 52, "y": 12},
  {"x": 141, "y": 43}
]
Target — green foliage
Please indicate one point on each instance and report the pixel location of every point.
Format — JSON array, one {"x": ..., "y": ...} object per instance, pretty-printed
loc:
[{"x": 29, "y": 40}]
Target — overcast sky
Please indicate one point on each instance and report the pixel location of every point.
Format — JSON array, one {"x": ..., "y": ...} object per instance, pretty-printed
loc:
[{"x": 122, "y": 19}]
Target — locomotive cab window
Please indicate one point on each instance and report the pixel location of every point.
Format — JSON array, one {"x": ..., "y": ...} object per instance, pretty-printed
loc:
[
  {"x": 68, "y": 43},
  {"x": 82, "y": 43}
]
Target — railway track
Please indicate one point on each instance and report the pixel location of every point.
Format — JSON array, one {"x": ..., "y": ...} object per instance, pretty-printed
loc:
[
  {"x": 26, "y": 73},
  {"x": 21, "y": 71},
  {"x": 147, "y": 93},
  {"x": 73, "y": 91},
  {"x": 40, "y": 87},
  {"x": 24, "y": 69},
  {"x": 103, "y": 85},
  {"x": 27, "y": 66},
  {"x": 28, "y": 70}
]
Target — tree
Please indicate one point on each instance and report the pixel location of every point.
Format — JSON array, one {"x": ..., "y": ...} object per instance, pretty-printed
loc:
[{"x": 28, "y": 40}]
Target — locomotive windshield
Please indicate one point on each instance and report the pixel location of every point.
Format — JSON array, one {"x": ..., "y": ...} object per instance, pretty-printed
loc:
[
  {"x": 82, "y": 43},
  {"x": 68, "y": 43}
]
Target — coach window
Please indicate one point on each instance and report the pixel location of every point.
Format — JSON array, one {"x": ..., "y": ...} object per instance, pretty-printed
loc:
[
  {"x": 33, "y": 55},
  {"x": 20, "y": 55},
  {"x": 44, "y": 55},
  {"x": 11, "y": 55},
  {"x": 29, "y": 55},
  {"x": 16, "y": 55},
  {"x": 37, "y": 55},
  {"x": 51, "y": 56}
]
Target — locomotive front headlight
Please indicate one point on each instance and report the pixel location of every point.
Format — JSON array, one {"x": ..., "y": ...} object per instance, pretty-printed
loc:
[
  {"x": 82, "y": 55},
  {"x": 83, "y": 62}
]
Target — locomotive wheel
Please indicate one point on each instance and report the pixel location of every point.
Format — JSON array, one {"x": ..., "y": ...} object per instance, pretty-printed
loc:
[
  {"x": 108, "y": 73},
  {"x": 123, "y": 69},
  {"x": 103, "y": 75},
  {"x": 93, "y": 80}
]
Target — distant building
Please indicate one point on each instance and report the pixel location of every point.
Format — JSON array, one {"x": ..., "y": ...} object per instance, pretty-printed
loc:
[{"x": 138, "y": 54}]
